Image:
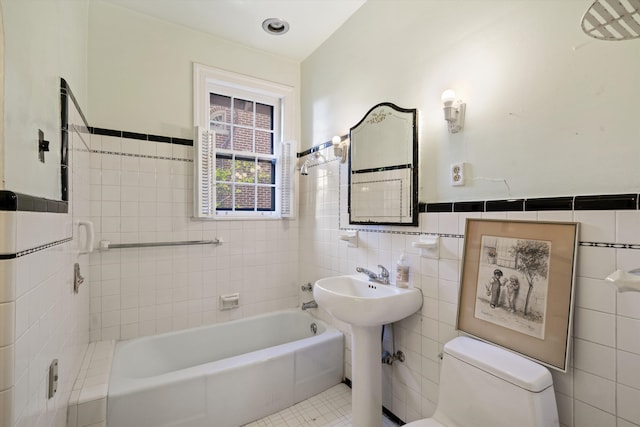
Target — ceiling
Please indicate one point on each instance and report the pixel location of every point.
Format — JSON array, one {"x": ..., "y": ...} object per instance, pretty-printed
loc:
[{"x": 311, "y": 21}]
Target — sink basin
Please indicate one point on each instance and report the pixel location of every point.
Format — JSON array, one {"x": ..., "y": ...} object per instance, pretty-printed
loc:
[{"x": 358, "y": 301}]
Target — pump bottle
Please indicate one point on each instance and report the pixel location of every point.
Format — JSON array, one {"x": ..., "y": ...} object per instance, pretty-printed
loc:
[{"x": 402, "y": 272}]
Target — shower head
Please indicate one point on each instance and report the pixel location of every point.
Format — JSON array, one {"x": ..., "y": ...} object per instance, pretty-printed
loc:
[
  {"x": 317, "y": 158},
  {"x": 304, "y": 169}
]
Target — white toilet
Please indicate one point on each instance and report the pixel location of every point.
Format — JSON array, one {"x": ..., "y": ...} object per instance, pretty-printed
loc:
[{"x": 482, "y": 385}]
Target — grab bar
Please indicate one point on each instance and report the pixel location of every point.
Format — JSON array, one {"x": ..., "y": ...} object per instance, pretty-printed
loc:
[{"x": 105, "y": 245}]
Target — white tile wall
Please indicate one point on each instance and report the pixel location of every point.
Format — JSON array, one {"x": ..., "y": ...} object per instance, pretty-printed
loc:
[
  {"x": 141, "y": 191},
  {"x": 601, "y": 387},
  {"x": 49, "y": 324},
  {"x": 146, "y": 196},
  {"x": 41, "y": 319}
]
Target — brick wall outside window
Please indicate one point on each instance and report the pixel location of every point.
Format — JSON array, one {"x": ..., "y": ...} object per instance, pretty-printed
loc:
[{"x": 243, "y": 126}]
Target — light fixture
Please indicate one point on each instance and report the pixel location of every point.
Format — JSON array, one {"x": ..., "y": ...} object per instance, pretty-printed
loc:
[
  {"x": 340, "y": 147},
  {"x": 454, "y": 110},
  {"x": 275, "y": 26},
  {"x": 612, "y": 20}
]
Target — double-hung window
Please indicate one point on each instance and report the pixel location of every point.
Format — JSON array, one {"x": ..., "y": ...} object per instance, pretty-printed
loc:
[{"x": 244, "y": 163}]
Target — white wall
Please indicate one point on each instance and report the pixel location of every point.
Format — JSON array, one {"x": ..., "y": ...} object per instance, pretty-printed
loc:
[
  {"x": 44, "y": 40},
  {"x": 140, "y": 76},
  {"x": 140, "y": 80},
  {"x": 549, "y": 109}
]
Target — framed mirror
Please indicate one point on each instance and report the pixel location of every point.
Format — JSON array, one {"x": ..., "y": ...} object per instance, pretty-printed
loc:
[{"x": 383, "y": 167}]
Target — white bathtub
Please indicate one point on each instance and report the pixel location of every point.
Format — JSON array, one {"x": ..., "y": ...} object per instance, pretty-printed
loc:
[{"x": 223, "y": 375}]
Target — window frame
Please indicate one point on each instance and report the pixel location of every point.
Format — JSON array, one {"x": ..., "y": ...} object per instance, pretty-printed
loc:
[{"x": 207, "y": 80}]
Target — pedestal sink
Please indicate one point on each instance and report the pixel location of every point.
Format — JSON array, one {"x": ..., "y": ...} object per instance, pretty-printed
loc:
[{"x": 366, "y": 306}]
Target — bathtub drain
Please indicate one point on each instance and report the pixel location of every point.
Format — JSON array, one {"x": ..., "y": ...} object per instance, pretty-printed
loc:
[{"x": 314, "y": 328}]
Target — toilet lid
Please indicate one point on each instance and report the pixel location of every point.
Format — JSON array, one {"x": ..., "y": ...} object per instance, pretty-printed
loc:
[{"x": 427, "y": 422}]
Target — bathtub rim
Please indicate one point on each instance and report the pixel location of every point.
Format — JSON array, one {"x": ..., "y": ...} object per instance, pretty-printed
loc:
[{"x": 120, "y": 385}]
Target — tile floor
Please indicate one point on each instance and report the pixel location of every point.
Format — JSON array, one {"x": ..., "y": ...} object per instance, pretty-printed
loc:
[{"x": 331, "y": 408}]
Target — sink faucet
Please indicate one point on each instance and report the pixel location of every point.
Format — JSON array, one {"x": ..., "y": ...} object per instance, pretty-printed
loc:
[
  {"x": 310, "y": 304},
  {"x": 382, "y": 278}
]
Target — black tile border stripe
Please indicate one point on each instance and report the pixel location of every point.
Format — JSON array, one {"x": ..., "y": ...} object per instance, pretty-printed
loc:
[
  {"x": 314, "y": 149},
  {"x": 515, "y": 205},
  {"x": 140, "y": 136},
  {"x": 549, "y": 204},
  {"x": 469, "y": 206},
  {"x": 381, "y": 169},
  {"x": 576, "y": 203},
  {"x": 65, "y": 94},
  {"x": 610, "y": 245},
  {"x": 158, "y": 138},
  {"x": 608, "y": 201},
  {"x": 436, "y": 207},
  {"x": 65, "y": 89},
  {"x": 134, "y": 135},
  {"x": 10, "y": 201},
  {"x": 36, "y": 249},
  {"x": 107, "y": 132},
  {"x": 142, "y": 156}
]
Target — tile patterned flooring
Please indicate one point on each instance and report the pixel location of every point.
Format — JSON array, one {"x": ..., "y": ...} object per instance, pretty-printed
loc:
[{"x": 331, "y": 408}]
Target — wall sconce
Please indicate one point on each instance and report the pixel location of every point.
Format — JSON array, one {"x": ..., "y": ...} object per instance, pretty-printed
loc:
[
  {"x": 340, "y": 147},
  {"x": 454, "y": 110}
]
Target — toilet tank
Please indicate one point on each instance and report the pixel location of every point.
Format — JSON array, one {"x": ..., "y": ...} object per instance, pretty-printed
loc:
[{"x": 484, "y": 385}]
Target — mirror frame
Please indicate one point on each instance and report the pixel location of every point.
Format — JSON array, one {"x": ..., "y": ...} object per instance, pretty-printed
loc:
[{"x": 413, "y": 217}]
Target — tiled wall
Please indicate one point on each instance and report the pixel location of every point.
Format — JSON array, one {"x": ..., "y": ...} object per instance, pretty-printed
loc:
[
  {"x": 41, "y": 319},
  {"x": 602, "y": 385},
  {"x": 141, "y": 191}
]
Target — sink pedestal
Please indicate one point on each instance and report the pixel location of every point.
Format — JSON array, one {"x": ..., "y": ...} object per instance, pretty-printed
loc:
[
  {"x": 366, "y": 368},
  {"x": 366, "y": 306}
]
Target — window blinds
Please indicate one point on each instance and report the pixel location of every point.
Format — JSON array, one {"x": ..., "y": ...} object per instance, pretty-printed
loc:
[
  {"x": 205, "y": 174},
  {"x": 287, "y": 174}
]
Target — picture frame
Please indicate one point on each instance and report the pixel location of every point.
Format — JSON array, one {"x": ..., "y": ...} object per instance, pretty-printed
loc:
[{"x": 516, "y": 287}]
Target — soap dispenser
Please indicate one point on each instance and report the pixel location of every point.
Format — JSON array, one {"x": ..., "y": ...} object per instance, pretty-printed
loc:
[{"x": 402, "y": 272}]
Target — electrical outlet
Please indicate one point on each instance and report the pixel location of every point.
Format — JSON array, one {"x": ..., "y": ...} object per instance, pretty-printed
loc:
[{"x": 457, "y": 174}]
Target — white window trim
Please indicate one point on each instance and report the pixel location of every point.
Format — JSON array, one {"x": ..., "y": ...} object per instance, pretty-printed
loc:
[{"x": 204, "y": 78}]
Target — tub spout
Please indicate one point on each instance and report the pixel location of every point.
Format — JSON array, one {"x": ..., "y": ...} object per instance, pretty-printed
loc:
[{"x": 310, "y": 304}]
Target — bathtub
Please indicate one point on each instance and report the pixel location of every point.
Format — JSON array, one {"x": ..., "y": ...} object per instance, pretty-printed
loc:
[{"x": 223, "y": 375}]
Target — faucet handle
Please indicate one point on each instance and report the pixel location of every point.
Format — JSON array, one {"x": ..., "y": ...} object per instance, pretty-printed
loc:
[{"x": 383, "y": 271}]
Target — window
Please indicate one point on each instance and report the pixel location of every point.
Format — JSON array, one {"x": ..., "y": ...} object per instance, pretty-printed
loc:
[{"x": 244, "y": 166}]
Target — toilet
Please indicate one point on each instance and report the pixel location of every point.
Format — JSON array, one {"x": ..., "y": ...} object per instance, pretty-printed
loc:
[{"x": 482, "y": 385}]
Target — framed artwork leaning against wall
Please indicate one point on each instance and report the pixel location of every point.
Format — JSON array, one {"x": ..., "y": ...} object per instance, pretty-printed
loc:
[{"x": 516, "y": 288}]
